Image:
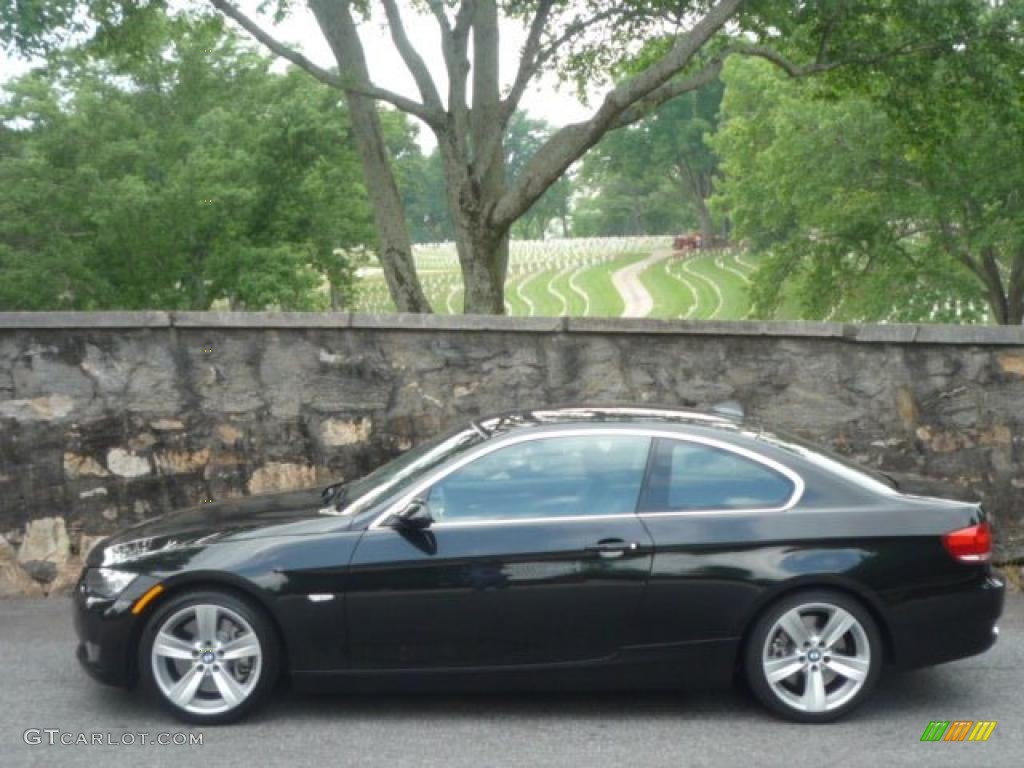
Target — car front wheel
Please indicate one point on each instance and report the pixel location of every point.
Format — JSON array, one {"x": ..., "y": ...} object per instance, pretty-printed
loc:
[
  {"x": 814, "y": 656},
  {"x": 210, "y": 657}
]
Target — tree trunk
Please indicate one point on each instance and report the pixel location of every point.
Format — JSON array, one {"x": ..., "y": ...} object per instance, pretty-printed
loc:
[
  {"x": 704, "y": 220},
  {"x": 336, "y": 23},
  {"x": 697, "y": 187},
  {"x": 992, "y": 277},
  {"x": 489, "y": 245},
  {"x": 388, "y": 212},
  {"x": 484, "y": 272},
  {"x": 483, "y": 208},
  {"x": 482, "y": 251},
  {"x": 475, "y": 185},
  {"x": 1015, "y": 290}
]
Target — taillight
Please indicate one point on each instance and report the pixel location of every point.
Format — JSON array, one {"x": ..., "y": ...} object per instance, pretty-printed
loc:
[{"x": 970, "y": 545}]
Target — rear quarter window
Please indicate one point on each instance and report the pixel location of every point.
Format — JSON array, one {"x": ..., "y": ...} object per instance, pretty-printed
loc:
[{"x": 691, "y": 476}]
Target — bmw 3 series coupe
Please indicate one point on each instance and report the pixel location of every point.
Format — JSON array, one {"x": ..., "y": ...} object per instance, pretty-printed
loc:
[{"x": 561, "y": 548}]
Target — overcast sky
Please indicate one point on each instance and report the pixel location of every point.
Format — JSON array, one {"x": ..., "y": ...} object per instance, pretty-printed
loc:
[{"x": 546, "y": 99}]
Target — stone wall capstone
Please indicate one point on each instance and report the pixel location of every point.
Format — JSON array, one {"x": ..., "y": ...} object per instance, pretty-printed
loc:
[{"x": 109, "y": 418}]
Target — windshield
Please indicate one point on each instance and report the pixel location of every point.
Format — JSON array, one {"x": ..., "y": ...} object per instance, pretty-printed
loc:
[
  {"x": 403, "y": 471},
  {"x": 833, "y": 462}
]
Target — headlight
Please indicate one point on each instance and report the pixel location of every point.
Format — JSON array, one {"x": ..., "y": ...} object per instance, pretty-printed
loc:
[{"x": 107, "y": 582}]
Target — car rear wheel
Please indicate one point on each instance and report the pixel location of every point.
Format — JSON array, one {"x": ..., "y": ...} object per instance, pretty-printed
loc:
[
  {"x": 814, "y": 656},
  {"x": 209, "y": 657}
]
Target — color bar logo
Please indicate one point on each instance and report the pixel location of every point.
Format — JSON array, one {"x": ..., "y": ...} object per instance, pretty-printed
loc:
[{"x": 958, "y": 730}]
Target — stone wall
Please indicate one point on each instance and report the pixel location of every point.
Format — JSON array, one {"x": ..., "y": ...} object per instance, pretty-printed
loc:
[{"x": 109, "y": 418}]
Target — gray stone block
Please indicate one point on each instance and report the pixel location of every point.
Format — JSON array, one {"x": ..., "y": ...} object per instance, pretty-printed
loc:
[
  {"x": 81, "y": 320},
  {"x": 261, "y": 320}
]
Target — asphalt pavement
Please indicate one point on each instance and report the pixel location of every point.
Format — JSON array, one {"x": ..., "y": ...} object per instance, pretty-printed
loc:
[{"x": 41, "y": 687}]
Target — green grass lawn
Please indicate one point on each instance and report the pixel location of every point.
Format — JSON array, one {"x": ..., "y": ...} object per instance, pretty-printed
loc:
[
  {"x": 699, "y": 286},
  {"x": 535, "y": 290},
  {"x": 596, "y": 282},
  {"x": 451, "y": 302},
  {"x": 560, "y": 283},
  {"x": 674, "y": 296},
  {"x": 732, "y": 287},
  {"x": 690, "y": 270},
  {"x": 513, "y": 301},
  {"x": 703, "y": 286}
]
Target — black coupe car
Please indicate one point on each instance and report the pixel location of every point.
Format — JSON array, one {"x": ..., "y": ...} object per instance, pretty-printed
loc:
[{"x": 563, "y": 548}]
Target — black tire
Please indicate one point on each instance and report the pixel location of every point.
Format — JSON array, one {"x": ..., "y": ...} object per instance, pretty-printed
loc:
[
  {"x": 753, "y": 655},
  {"x": 265, "y": 632}
]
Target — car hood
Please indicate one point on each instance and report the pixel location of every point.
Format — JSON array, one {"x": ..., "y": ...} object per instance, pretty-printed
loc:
[{"x": 275, "y": 514}]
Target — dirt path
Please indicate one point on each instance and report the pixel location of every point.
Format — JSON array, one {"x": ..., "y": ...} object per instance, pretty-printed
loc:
[{"x": 627, "y": 282}]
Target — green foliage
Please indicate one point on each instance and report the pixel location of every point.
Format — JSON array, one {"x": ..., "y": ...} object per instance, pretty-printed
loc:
[
  {"x": 188, "y": 176},
  {"x": 618, "y": 204},
  {"x": 654, "y": 177},
  {"x": 872, "y": 202},
  {"x": 182, "y": 172},
  {"x": 524, "y": 137},
  {"x": 421, "y": 179}
]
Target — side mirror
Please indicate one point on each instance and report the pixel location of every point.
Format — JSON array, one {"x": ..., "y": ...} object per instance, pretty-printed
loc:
[{"x": 416, "y": 516}]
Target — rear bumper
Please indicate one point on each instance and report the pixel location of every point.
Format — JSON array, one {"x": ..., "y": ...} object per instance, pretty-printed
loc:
[{"x": 943, "y": 627}]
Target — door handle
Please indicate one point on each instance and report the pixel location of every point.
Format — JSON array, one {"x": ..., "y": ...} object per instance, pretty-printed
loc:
[{"x": 610, "y": 548}]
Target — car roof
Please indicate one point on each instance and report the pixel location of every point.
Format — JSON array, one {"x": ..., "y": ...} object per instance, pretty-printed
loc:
[
  {"x": 728, "y": 418},
  {"x": 724, "y": 422}
]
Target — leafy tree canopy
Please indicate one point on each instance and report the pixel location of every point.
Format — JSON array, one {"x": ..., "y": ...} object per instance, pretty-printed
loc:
[
  {"x": 884, "y": 198},
  {"x": 177, "y": 179},
  {"x": 657, "y": 176},
  {"x": 647, "y": 52}
]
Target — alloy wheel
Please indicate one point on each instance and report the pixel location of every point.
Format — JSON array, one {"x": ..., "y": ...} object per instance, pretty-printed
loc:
[
  {"x": 206, "y": 659},
  {"x": 816, "y": 657}
]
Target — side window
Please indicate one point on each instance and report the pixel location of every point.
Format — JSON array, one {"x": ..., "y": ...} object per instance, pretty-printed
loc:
[
  {"x": 693, "y": 476},
  {"x": 547, "y": 477}
]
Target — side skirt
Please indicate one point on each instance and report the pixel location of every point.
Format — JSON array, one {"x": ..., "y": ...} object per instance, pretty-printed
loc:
[{"x": 662, "y": 667}]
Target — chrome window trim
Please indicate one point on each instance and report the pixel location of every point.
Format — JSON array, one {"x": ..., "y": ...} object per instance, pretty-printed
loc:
[{"x": 499, "y": 443}]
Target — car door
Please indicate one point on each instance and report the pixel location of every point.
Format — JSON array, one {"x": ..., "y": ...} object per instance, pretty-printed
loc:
[
  {"x": 535, "y": 555},
  {"x": 710, "y": 508}
]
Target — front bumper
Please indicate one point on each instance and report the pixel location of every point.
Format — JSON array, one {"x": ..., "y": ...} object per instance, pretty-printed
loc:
[
  {"x": 948, "y": 626},
  {"x": 108, "y": 634}
]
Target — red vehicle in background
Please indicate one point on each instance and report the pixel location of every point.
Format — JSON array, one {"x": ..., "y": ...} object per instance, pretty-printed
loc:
[{"x": 690, "y": 242}]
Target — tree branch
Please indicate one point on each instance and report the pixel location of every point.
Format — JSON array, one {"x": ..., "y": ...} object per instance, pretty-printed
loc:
[
  {"x": 276, "y": 46},
  {"x": 991, "y": 266},
  {"x": 570, "y": 143},
  {"x": 633, "y": 98},
  {"x": 528, "y": 64},
  {"x": 464, "y": 17},
  {"x": 677, "y": 87},
  {"x": 455, "y": 47},
  {"x": 413, "y": 61},
  {"x": 997, "y": 298},
  {"x": 437, "y": 8},
  {"x": 820, "y": 63},
  {"x": 343, "y": 82},
  {"x": 578, "y": 26},
  {"x": 528, "y": 59}
]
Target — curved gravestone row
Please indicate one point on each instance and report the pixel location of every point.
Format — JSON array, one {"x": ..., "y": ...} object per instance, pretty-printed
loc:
[{"x": 578, "y": 278}]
